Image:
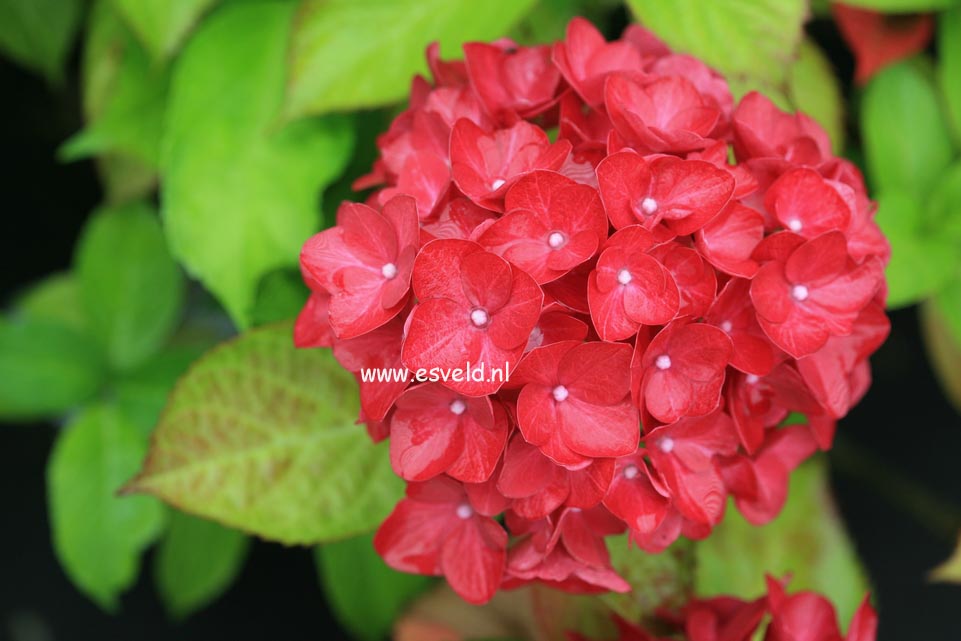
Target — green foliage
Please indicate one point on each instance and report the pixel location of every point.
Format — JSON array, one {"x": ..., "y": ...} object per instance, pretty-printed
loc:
[
  {"x": 923, "y": 259},
  {"x": 949, "y": 65},
  {"x": 55, "y": 299},
  {"x": 807, "y": 540},
  {"x": 280, "y": 296},
  {"x": 941, "y": 328},
  {"x": 196, "y": 562},
  {"x": 124, "y": 95},
  {"x": 903, "y": 6},
  {"x": 46, "y": 368},
  {"x": 906, "y": 140},
  {"x": 38, "y": 33},
  {"x": 365, "y": 594},
  {"x": 97, "y": 535},
  {"x": 162, "y": 25},
  {"x": 753, "y": 42},
  {"x": 944, "y": 206},
  {"x": 657, "y": 580},
  {"x": 814, "y": 89},
  {"x": 131, "y": 287},
  {"x": 240, "y": 191},
  {"x": 261, "y": 436},
  {"x": 142, "y": 393},
  {"x": 348, "y": 55}
]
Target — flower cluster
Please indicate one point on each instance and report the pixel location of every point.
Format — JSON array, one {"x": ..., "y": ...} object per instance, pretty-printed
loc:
[
  {"x": 803, "y": 616},
  {"x": 573, "y": 212}
]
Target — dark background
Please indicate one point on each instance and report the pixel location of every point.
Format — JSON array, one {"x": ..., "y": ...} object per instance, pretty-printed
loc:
[{"x": 903, "y": 435}]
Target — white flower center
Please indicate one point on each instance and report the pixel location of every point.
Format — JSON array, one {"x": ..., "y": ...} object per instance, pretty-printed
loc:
[
  {"x": 556, "y": 240},
  {"x": 631, "y": 471},
  {"x": 649, "y": 205},
  {"x": 497, "y": 184},
  {"x": 458, "y": 406},
  {"x": 752, "y": 379},
  {"x": 794, "y": 224},
  {"x": 560, "y": 393},
  {"x": 666, "y": 444},
  {"x": 799, "y": 293},
  {"x": 663, "y": 361},
  {"x": 479, "y": 317},
  {"x": 624, "y": 277},
  {"x": 727, "y": 326},
  {"x": 464, "y": 511},
  {"x": 389, "y": 271}
]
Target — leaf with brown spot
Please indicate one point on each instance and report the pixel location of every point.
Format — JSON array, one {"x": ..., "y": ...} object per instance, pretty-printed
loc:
[{"x": 261, "y": 437}]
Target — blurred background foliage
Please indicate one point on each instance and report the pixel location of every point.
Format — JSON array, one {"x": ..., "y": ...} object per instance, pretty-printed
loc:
[{"x": 226, "y": 132}]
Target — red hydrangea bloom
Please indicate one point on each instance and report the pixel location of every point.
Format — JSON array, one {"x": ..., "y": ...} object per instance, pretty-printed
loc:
[
  {"x": 435, "y": 430},
  {"x": 571, "y": 216},
  {"x": 574, "y": 404},
  {"x": 474, "y": 308},
  {"x": 436, "y": 531},
  {"x": 879, "y": 39},
  {"x": 813, "y": 291},
  {"x": 802, "y": 616},
  {"x": 552, "y": 225},
  {"x": 364, "y": 264}
]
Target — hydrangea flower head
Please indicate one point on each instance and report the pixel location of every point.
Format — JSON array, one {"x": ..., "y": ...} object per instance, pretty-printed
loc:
[{"x": 661, "y": 274}]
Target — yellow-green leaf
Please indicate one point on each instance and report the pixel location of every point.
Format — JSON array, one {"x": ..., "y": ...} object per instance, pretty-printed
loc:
[
  {"x": 261, "y": 437},
  {"x": 162, "y": 25},
  {"x": 813, "y": 88},
  {"x": 941, "y": 329},
  {"x": 240, "y": 192},
  {"x": 950, "y": 570},
  {"x": 748, "y": 40},
  {"x": 347, "y": 54}
]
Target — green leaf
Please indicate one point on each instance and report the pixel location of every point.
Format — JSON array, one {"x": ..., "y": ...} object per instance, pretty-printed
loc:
[
  {"x": 948, "y": 303},
  {"x": 38, "y": 33},
  {"x": 950, "y": 570},
  {"x": 162, "y": 25},
  {"x": 943, "y": 214},
  {"x": 747, "y": 40},
  {"x": 903, "y": 6},
  {"x": 906, "y": 139},
  {"x": 806, "y": 540},
  {"x": 55, "y": 299},
  {"x": 949, "y": 66},
  {"x": 813, "y": 88},
  {"x": 941, "y": 330},
  {"x": 97, "y": 535},
  {"x": 347, "y": 54},
  {"x": 261, "y": 436},
  {"x": 142, "y": 393},
  {"x": 125, "y": 178},
  {"x": 46, "y": 368},
  {"x": 657, "y": 580},
  {"x": 196, "y": 561},
  {"x": 240, "y": 194},
  {"x": 365, "y": 594},
  {"x": 124, "y": 94},
  {"x": 280, "y": 296},
  {"x": 922, "y": 261},
  {"x": 132, "y": 288}
]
